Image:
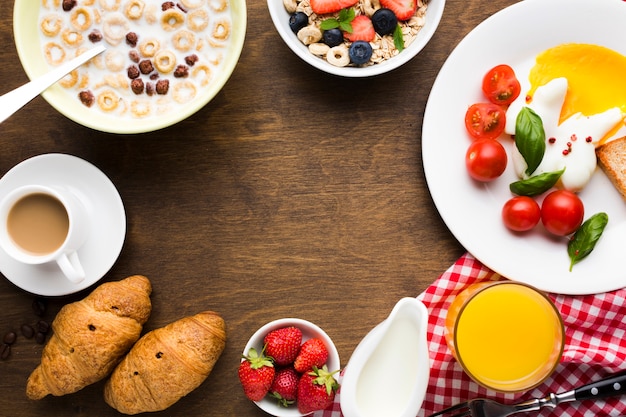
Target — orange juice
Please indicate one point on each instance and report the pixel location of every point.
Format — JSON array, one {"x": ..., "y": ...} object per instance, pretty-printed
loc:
[{"x": 507, "y": 336}]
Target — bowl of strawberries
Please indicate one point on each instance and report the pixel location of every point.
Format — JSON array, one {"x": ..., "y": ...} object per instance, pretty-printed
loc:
[
  {"x": 289, "y": 368},
  {"x": 356, "y": 38}
]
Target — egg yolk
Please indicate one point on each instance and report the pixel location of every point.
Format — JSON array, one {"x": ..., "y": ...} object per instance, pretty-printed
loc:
[{"x": 596, "y": 77}]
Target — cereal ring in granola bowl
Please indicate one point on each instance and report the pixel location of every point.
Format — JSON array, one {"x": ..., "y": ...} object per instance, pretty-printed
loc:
[
  {"x": 162, "y": 64},
  {"x": 416, "y": 34}
]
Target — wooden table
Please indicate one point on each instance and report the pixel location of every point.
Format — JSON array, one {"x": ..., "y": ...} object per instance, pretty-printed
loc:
[{"x": 293, "y": 193}]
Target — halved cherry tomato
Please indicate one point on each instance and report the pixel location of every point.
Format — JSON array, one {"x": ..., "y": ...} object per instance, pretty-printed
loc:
[
  {"x": 562, "y": 212},
  {"x": 500, "y": 85},
  {"x": 485, "y": 159},
  {"x": 485, "y": 120},
  {"x": 521, "y": 213}
]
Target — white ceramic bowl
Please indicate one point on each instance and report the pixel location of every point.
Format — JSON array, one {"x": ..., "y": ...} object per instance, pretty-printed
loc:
[
  {"x": 26, "y": 28},
  {"x": 309, "y": 331},
  {"x": 280, "y": 17}
]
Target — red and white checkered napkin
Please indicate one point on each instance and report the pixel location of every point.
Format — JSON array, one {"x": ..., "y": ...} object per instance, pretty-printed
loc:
[{"x": 595, "y": 346}]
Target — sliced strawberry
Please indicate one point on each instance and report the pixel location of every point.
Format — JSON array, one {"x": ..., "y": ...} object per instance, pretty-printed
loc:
[
  {"x": 362, "y": 30},
  {"x": 331, "y": 6},
  {"x": 403, "y": 9}
]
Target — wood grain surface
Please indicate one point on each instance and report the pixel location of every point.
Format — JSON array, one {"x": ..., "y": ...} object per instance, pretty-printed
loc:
[{"x": 292, "y": 194}]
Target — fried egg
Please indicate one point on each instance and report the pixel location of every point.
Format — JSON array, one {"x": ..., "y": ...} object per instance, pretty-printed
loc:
[
  {"x": 596, "y": 77},
  {"x": 579, "y": 91}
]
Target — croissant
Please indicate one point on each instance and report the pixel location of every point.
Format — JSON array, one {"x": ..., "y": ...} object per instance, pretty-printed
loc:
[
  {"x": 166, "y": 364},
  {"x": 91, "y": 336}
]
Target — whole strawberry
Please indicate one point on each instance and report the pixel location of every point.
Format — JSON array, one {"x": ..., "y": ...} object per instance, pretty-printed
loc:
[
  {"x": 283, "y": 345},
  {"x": 316, "y": 390},
  {"x": 256, "y": 374},
  {"x": 285, "y": 386},
  {"x": 313, "y": 352}
]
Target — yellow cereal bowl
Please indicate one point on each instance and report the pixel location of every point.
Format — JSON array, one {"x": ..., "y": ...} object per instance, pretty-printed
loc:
[{"x": 133, "y": 113}]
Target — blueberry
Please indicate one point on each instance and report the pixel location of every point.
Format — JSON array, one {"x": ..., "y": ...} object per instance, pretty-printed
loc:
[
  {"x": 360, "y": 52},
  {"x": 297, "y": 21},
  {"x": 384, "y": 21},
  {"x": 333, "y": 37}
]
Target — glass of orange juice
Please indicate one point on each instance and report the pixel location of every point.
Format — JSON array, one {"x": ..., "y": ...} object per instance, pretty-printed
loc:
[{"x": 507, "y": 336}]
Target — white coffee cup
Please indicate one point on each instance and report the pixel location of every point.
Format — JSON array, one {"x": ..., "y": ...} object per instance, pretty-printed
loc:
[{"x": 41, "y": 224}]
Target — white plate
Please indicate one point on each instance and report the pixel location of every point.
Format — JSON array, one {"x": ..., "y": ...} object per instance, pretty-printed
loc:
[
  {"x": 472, "y": 211},
  {"x": 108, "y": 220}
]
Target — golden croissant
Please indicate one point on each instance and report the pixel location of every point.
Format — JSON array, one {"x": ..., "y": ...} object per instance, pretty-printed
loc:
[
  {"x": 166, "y": 364},
  {"x": 91, "y": 336}
]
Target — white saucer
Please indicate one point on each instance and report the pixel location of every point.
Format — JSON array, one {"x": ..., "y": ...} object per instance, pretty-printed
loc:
[{"x": 106, "y": 211}]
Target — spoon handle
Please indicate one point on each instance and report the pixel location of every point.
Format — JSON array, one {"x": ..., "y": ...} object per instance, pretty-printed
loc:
[{"x": 16, "y": 99}]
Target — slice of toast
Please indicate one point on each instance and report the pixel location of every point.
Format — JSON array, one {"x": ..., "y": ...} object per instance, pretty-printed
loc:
[{"x": 612, "y": 160}]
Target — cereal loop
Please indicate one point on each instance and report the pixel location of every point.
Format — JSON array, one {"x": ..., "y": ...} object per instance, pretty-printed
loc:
[
  {"x": 70, "y": 80},
  {"x": 165, "y": 61},
  {"x": 338, "y": 56},
  {"x": 110, "y": 5},
  {"x": 172, "y": 19},
  {"x": 221, "y": 30},
  {"x": 151, "y": 14},
  {"x": 184, "y": 92},
  {"x": 134, "y": 9},
  {"x": 108, "y": 100},
  {"x": 198, "y": 20},
  {"x": 51, "y": 25},
  {"x": 203, "y": 70},
  {"x": 115, "y": 27},
  {"x": 192, "y": 4},
  {"x": 218, "y": 5},
  {"x": 114, "y": 60},
  {"x": 72, "y": 38},
  {"x": 184, "y": 40},
  {"x": 149, "y": 47},
  {"x": 55, "y": 53},
  {"x": 140, "y": 108},
  {"x": 80, "y": 19},
  {"x": 56, "y": 4}
]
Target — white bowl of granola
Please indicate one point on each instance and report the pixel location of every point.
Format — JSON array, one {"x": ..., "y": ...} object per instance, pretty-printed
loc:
[
  {"x": 306, "y": 36},
  {"x": 164, "y": 60}
]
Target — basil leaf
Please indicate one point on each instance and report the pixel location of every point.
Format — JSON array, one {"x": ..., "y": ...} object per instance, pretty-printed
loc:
[
  {"x": 586, "y": 237},
  {"x": 536, "y": 185},
  {"x": 530, "y": 138}
]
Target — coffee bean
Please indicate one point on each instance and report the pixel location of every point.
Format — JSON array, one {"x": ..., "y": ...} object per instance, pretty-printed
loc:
[
  {"x": 9, "y": 338},
  {"x": 43, "y": 327},
  {"x": 5, "y": 351},
  {"x": 27, "y": 331},
  {"x": 39, "y": 306},
  {"x": 40, "y": 338}
]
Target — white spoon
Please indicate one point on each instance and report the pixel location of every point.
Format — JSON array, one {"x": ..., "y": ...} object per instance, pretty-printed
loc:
[{"x": 18, "y": 98}]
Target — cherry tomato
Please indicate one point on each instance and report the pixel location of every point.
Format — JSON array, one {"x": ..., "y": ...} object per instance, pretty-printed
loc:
[
  {"x": 500, "y": 85},
  {"x": 485, "y": 159},
  {"x": 485, "y": 120},
  {"x": 562, "y": 212},
  {"x": 521, "y": 213}
]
